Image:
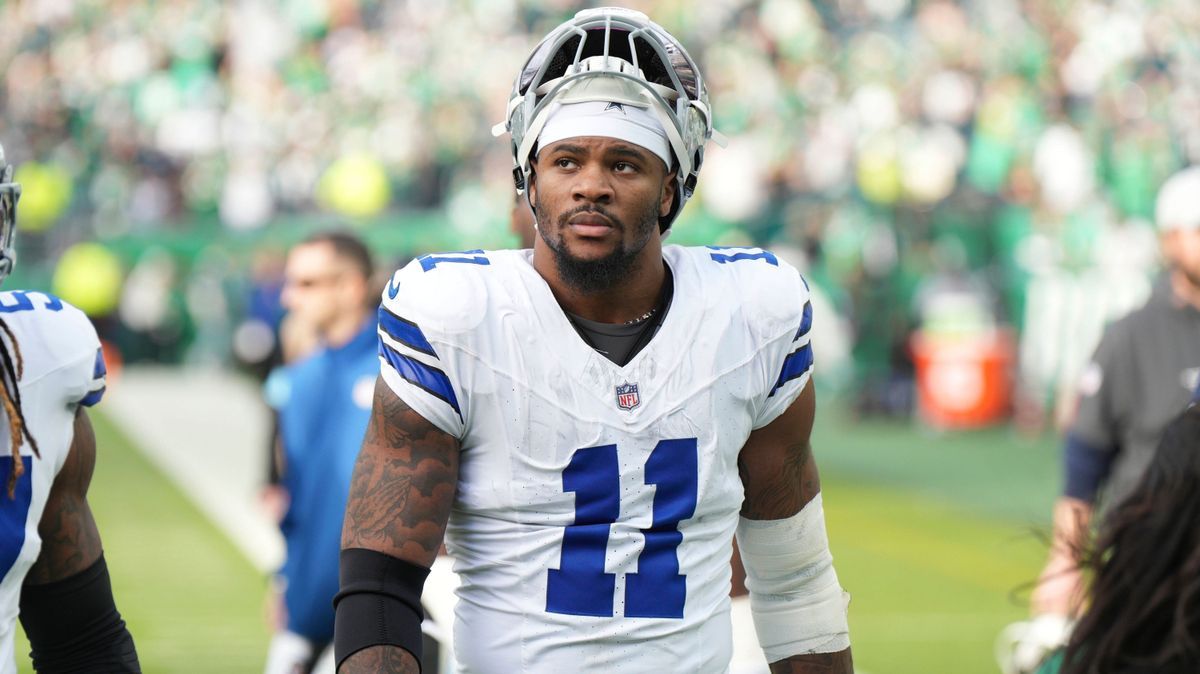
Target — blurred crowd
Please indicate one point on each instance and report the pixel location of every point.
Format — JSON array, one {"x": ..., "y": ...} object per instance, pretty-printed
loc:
[{"x": 934, "y": 165}]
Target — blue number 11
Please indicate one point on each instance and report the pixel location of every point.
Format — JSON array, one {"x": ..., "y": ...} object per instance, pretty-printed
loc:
[{"x": 580, "y": 585}]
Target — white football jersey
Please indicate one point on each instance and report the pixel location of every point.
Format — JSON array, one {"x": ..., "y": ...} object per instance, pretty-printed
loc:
[
  {"x": 596, "y": 503},
  {"x": 63, "y": 369}
]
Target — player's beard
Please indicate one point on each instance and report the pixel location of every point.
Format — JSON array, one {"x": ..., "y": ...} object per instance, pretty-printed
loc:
[{"x": 600, "y": 274}]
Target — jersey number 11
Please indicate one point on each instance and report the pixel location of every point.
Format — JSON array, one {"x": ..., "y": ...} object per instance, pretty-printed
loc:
[{"x": 580, "y": 585}]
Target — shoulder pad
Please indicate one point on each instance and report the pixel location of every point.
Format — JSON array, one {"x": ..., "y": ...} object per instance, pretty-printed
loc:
[
  {"x": 767, "y": 286},
  {"x": 52, "y": 335},
  {"x": 60, "y": 325},
  {"x": 447, "y": 292}
]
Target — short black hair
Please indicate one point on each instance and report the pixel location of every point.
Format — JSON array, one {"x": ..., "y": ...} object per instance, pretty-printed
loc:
[{"x": 347, "y": 246}]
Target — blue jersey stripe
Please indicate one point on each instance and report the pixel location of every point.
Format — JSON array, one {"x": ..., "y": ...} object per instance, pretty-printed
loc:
[
  {"x": 737, "y": 257},
  {"x": 93, "y": 397},
  {"x": 805, "y": 322},
  {"x": 404, "y": 331},
  {"x": 99, "y": 369},
  {"x": 795, "y": 365},
  {"x": 430, "y": 262},
  {"x": 426, "y": 377}
]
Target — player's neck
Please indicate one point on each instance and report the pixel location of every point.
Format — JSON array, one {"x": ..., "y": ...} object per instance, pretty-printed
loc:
[{"x": 627, "y": 300}]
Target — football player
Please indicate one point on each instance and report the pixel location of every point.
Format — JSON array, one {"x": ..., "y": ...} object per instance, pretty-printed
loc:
[
  {"x": 54, "y": 575},
  {"x": 589, "y": 422}
]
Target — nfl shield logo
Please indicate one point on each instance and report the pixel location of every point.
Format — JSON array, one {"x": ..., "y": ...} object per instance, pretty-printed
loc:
[{"x": 627, "y": 396}]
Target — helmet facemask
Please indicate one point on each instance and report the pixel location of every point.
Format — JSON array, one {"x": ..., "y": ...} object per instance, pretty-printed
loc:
[{"x": 10, "y": 193}]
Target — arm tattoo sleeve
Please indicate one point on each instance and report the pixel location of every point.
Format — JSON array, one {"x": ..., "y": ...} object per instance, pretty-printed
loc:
[
  {"x": 779, "y": 487},
  {"x": 379, "y": 659},
  {"x": 70, "y": 539},
  {"x": 403, "y": 485}
]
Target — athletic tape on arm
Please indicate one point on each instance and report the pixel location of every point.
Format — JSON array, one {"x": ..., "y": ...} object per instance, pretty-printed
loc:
[{"x": 798, "y": 605}]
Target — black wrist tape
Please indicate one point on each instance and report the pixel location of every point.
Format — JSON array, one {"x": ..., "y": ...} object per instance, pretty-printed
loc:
[{"x": 378, "y": 603}]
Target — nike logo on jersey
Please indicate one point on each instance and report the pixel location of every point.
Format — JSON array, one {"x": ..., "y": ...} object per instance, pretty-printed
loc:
[{"x": 393, "y": 288}]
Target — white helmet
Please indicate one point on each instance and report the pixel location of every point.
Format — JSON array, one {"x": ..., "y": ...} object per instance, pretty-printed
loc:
[
  {"x": 10, "y": 193},
  {"x": 613, "y": 54}
]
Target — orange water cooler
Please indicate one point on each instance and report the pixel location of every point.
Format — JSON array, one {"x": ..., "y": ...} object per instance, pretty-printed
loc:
[{"x": 964, "y": 381}]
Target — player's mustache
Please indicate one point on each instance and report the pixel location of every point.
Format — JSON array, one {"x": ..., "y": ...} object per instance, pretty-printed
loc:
[{"x": 592, "y": 209}]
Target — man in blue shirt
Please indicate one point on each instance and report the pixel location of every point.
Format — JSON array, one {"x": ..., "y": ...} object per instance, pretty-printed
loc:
[{"x": 323, "y": 402}]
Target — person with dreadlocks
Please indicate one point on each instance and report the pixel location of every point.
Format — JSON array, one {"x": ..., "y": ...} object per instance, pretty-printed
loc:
[
  {"x": 1143, "y": 611},
  {"x": 51, "y": 561}
]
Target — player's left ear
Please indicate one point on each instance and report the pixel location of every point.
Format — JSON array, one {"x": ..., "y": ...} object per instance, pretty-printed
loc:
[{"x": 668, "y": 193}]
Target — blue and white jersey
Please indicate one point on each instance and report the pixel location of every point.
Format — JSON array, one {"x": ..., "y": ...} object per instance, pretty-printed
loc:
[
  {"x": 596, "y": 503},
  {"x": 63, "y": 369}
]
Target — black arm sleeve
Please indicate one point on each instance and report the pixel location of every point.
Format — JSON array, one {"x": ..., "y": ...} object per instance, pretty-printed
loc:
[
  {"x": 73, "y": 625},
  {"x": 379, "y": 603}
]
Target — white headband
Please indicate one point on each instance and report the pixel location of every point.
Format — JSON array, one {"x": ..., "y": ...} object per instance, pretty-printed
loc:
[{"x": 609, "y": 119}]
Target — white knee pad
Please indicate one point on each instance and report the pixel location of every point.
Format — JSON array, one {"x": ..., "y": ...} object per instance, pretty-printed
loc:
[{"x": 797, "y": 603}]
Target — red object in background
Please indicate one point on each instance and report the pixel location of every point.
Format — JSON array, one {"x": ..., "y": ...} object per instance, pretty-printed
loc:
[
  {"x": 112, "y": 361},
  {"x": 964, "y": 381}
]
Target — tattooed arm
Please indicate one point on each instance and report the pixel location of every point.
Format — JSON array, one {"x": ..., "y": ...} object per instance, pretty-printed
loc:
[
  {"x": 67, "y": 607},
  {"x": 70, "y": 540},
  {"x": 780, "y": 477},
  {"x": 400, "y": 497}
]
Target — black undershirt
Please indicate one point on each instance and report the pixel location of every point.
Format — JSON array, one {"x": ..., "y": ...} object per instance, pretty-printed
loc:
[{"x": 620, "y": 342}]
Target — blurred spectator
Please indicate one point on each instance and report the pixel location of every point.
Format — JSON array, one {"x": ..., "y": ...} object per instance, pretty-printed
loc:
[
  {"x": 1142, "y": 614},
  {"x": 256, "y": 343},
  {"x": 323, "y": 402},
  {"x": 1143, "y": 372}
]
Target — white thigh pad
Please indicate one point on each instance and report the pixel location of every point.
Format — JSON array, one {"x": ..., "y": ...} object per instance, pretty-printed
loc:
[{"x": 797, "y": 603}]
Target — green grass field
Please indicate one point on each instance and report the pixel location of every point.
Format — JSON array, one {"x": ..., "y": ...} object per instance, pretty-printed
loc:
[
  {"x": 932, "y": 535},
  {"x": 192, "y": 601},
  {"x": 935, "y": 536}
]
